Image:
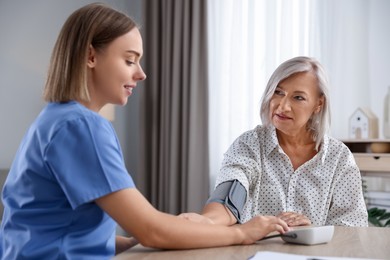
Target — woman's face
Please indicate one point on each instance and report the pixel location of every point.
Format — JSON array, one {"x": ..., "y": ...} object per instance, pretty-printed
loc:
[
  {"x": 294, "y": 102},
  {"x": 114, "y": 71}
]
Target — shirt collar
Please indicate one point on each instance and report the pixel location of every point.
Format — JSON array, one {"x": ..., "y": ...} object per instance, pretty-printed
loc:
[
  {"x": 274, "y": 144},
  {"x": 323, "y": 150}
]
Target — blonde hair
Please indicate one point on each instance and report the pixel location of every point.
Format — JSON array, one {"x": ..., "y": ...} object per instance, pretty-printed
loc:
[
  {"x": 92, "y": 25},
  {"x": 319, "y": 123}
]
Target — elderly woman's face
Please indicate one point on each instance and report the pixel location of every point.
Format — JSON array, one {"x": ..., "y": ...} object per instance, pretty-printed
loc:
[{"x": 294, "y": 102}]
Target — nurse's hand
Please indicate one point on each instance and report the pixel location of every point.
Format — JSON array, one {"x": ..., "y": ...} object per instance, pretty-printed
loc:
[
  {"x": 196, "y": 218},
  {"x": 294, "y": 219}
]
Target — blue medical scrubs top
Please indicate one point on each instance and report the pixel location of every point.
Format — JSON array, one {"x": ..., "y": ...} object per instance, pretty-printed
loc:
[{"x": 69, "y": 157}]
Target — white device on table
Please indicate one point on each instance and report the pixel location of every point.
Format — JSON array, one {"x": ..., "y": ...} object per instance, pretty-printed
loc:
[{"x": 309, "y": 235}]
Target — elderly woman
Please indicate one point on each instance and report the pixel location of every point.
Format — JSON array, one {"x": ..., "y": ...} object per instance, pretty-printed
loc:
[{"x": 289, "y": 167}]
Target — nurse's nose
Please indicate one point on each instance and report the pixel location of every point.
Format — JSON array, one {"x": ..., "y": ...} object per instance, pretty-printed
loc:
[{"x": 140, "y": 75}]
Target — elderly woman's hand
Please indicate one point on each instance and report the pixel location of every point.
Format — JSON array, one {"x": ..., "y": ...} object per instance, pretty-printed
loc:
[{"x": 294, "y": 219}]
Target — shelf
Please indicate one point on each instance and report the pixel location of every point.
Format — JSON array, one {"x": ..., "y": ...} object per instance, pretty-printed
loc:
[
  {"x": 373, "y": 162},
  {"x": 365, "y": 141},
  {"x": 367, "y": 160},
  {"x": 366, "y": 145}
]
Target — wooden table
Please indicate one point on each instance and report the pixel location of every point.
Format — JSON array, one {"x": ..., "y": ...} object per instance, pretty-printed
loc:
[{"x": 368, "y": 242}]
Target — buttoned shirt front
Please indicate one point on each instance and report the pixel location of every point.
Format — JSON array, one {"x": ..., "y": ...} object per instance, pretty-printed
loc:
[{"x": 327, "y": 188}]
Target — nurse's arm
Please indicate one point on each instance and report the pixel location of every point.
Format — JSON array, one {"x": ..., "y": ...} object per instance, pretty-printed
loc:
[
  {"x": 219, "y": 214},
  {"x": 123, "y": 243},
  {"x": 152, "y": 228}
]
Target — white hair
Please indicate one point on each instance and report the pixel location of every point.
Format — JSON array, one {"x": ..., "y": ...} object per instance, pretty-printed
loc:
[{"x": 319, "y": 123}]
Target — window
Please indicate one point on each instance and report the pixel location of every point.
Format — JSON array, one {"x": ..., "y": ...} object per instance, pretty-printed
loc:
[{"x": 249, "y": 39}]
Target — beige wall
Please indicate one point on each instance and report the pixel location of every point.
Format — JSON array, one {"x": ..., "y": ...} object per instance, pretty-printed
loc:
[
  {"x": 28, "y": 30},
  {"x": 3, "y": 175}
]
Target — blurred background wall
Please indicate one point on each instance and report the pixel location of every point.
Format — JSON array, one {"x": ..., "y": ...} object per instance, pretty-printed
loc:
[{"x": 28, "y": 30}]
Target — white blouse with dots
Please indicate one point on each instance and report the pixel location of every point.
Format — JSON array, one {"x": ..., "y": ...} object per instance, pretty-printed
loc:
[{"x": 327, "y": 189}]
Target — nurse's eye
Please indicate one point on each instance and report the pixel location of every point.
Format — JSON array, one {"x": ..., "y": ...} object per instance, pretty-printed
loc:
[{"x": 129, "y": 62}]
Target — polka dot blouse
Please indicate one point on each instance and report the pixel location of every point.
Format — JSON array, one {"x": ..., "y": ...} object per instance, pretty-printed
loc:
[{"x": 327, "y": 188}]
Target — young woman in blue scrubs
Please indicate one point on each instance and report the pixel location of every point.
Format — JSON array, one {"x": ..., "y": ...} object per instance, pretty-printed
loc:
[{"x": 68, "y": 185}]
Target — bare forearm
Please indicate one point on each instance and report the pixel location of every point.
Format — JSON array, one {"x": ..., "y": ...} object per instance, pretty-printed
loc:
[
  {"x": 178, "y": 233},
  {"x": 157, "y": 229},
  {"x": 219, "y": 214},
  {"x": 160, "y": 230}
]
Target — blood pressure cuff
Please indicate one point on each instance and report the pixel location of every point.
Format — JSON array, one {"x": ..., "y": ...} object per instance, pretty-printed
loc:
[{"x": 231, "y": 194}]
